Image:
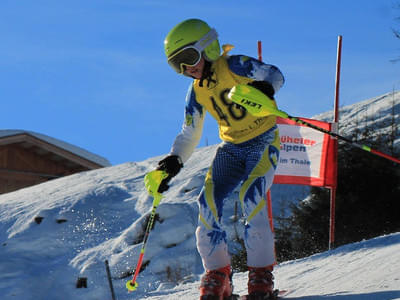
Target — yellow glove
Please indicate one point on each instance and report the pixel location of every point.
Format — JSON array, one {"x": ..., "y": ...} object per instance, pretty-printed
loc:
[{"x": 152, "y": 181}]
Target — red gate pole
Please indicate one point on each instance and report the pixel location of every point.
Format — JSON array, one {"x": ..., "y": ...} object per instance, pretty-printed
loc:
[
  {"x": 335, "y": 145},
  {"x": 259, "y": 47}
]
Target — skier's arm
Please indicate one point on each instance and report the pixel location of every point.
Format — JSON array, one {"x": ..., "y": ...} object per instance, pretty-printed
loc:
[
  {"x": 189, "y": 137},
  {"x": 267, "y": 78},
  {"x": 185, "y": 142}
]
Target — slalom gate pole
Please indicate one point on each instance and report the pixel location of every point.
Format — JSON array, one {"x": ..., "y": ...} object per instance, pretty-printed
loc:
[
  {"x": 259, "y": 104},
  {"x": 132, "y": 285},
  {"x": 332, "y": 189},
  {"x": 360, "y": 146}
]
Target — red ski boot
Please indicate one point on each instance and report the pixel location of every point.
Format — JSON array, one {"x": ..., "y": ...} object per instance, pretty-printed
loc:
[
  {"x": 216, "y": 284},
  {"x": 261, "y": 283}
]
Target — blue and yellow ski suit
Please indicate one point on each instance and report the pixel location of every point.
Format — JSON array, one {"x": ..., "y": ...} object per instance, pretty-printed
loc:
[{"x": 247, "y": 157}]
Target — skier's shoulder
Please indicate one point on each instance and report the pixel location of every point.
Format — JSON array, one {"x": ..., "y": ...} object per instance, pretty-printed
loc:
[
  {"x": 244, "y": 65},
  {"x": 250, "y": 67}
]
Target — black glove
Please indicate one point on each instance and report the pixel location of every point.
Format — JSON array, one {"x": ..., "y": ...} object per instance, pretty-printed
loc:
[
  {"x": 172, "y": 164},
  {"x": 264, "y": 87}
]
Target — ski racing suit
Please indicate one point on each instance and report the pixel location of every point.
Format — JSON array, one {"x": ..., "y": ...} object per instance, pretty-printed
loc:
[{"x": 248, "y": 156}]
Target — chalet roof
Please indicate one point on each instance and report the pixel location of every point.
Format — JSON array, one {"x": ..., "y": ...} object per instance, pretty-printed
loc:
[{"x": 53, "y": 145}]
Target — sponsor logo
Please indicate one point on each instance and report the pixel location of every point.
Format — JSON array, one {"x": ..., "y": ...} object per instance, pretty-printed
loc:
[{"x": 297, "y": 144}]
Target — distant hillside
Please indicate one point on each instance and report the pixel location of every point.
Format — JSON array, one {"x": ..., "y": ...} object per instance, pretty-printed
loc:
[{"x": 380, "y": 114}]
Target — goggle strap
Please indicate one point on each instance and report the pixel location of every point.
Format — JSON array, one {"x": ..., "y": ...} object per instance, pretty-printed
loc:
[{"x": 206, "y": 40}]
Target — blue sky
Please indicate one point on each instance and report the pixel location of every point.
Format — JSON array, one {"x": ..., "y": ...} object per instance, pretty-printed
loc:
[{"x": 94, "y": 74}]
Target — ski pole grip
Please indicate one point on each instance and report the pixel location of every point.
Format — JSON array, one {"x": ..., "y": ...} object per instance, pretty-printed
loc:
[{"x": 152, "y": 181}]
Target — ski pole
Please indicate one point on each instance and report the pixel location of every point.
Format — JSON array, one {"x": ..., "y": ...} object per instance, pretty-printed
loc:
[
  {"x": 257, "y": 104},
  {"x": 360, "y": 146},
  {"x": 152, "y": 182}
]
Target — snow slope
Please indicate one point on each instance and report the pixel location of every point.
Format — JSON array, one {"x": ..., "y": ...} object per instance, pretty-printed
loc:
[
  {"x": 366, "y": 270},
  {"x": 55, "y": 232},
  {"x": 98, "y": 215},
  {"x": 92, "y": 216}
]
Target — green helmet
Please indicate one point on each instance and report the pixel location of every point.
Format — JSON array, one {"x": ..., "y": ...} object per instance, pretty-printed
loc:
[{"x": 188, "y": 32}]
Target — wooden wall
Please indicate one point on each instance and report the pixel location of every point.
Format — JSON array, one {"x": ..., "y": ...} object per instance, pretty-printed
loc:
[{"x": 22, "y": 167}]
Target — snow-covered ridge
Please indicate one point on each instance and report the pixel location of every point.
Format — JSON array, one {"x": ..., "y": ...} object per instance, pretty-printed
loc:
[{"x": 379, "y": 113}]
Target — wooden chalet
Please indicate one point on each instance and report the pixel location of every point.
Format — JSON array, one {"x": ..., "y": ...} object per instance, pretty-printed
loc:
[{"x": 28, "y": 158}]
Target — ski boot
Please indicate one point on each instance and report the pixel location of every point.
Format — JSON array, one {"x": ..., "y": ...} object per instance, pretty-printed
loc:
[
  {"x": 261, "y": 284},
  {"x": 217, "y": 284}
]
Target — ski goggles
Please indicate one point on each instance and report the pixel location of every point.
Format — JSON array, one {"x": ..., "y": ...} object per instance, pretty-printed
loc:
[{"x": 190, "y": 56}]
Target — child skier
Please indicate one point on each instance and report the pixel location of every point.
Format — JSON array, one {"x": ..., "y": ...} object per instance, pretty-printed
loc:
[{"x": 247, "y": 156}]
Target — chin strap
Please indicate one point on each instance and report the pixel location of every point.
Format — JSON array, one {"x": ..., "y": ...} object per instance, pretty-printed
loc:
[{"x": 207, "y": 72}]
